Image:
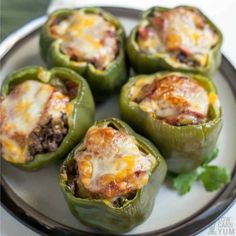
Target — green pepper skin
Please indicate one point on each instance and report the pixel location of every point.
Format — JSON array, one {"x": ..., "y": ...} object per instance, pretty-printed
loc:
[
  {"x": 100, "y": 215},
  {"x": 82, "y": 115},
  {"x": 102, "y": 82},
  {"x": 184, "y": 147},
  {"x": 148, "y": 64}
]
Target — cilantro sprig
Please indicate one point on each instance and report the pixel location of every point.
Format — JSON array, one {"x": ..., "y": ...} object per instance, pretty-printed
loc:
[{"x": 213, "y": 177}]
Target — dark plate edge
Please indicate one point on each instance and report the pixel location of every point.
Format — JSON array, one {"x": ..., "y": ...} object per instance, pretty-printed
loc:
[{"x": 190, "y": 226}]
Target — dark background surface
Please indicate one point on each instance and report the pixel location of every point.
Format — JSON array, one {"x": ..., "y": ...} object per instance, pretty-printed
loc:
[{"x": 16, "y": 13}]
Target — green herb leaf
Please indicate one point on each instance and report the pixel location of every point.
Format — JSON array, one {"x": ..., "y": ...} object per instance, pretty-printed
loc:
[
  {"x": 183, "y": 182},
  {"x": 213, "y": 155},
  {"x": 213, "y": 177}
]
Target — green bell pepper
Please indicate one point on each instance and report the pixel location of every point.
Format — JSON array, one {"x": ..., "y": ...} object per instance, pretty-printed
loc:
[
  {"x": 147, "y": 64},
  {"x": 133, "y": 211},
  {"x": 81, "y": 115},
  {"x": 102, "y": 82},
  {"x": 184, "y": 147}
]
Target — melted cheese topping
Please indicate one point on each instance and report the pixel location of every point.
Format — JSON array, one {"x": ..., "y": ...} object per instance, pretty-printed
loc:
[
  {"x": 27, "y": 106},
  {"x": 175, "y": 99},
  {"x": 112, "y": 164},
  {"x": 87, "y": 37},
  {"x": 178, "y": 31}
]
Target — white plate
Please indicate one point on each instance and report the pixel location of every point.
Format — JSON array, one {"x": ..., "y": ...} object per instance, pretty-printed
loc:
[{"x": 35, "y": 197}]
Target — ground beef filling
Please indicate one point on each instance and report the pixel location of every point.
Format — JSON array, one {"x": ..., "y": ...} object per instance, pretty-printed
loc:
[
  {"x": 72, "y": 174},
  {"x": 48, "y": 136}
]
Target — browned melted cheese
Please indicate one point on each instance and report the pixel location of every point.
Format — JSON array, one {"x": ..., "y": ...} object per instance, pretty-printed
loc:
[
  {"x": 175, "y": 99},
  {"x": 87, "y": 38},
  {"x": 27, "y": 106},
  {"x": 112, "y": 164},
  {"x": 181, "y": 34}
]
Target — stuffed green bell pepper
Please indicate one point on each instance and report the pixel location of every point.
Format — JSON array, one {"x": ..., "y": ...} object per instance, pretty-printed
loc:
[
  {"x": 110, "y": 180},
  {"x": 44, "y": 113},
  {"x": 89, "y": 41},
  {"x": 179, "y": 112},
  {"x": 177, "y": 39}
]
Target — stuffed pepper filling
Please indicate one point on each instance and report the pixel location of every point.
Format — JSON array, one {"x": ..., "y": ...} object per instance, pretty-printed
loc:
[
  {"x": 177, "y": 100},
  {"x": 33, "y": 121},
  {"x": 87, "y": 37},
  {"x": 111, "y": 166},
  {"x": 180, "y": 34}
]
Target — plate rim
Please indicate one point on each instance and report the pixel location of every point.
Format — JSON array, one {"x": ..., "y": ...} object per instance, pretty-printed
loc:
[{"x": 42, "y": 224}]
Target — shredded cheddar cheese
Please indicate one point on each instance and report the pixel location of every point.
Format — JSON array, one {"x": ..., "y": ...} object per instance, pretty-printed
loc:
[
  {"x": 212, "y": 97},
  {"x": 112, "y": 164}
]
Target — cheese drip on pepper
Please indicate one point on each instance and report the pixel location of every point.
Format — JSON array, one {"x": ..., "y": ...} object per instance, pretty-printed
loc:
[
  {"x": 87, "y": 38},
  {"x": 29, "y": 105},
  {"x": 112, "y": 164},
  {"x": 183, "y": 35},
  {"x": 176, "y": 100}
]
